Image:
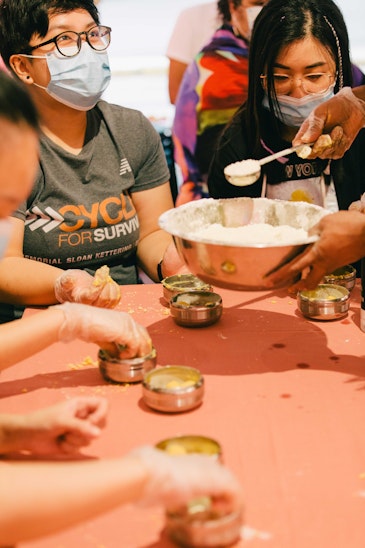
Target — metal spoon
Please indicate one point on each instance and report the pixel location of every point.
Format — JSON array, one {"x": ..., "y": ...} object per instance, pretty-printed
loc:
[{"x": 251, "y": 169}]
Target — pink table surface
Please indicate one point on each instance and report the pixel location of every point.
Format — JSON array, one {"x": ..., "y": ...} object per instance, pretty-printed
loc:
[{"x": 285, "y": 397}]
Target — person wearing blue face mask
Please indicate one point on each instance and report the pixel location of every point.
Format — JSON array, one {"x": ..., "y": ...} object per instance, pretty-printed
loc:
[
  {"x": 103, "y": 180},
  {"x": 299, "y": 58}
]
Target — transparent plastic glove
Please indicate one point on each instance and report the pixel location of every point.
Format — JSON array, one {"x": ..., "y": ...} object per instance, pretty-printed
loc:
[
  {"x": 80, "y": 287},
  {"x": 174, "y": 480},
  {"x": 101, "y": 325},
  {"x": 359, "y": 205},
  {"x": 343, "y": 115}
]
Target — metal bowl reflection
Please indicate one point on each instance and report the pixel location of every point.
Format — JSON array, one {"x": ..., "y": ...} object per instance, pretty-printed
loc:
[
  {"x": 128, "y": 370},
  {"x": 182, "y": 283},
  {"x": 196, "y": 309},
  {"x": 173, "y": 388},
  {"x": 345, "y": 276},
  {"x": 325, "y": 302},
  {"x": 238, "y": 266}
]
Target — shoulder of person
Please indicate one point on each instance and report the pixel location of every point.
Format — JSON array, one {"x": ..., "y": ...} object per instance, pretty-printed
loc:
[
  {"x": 119, "y": 112},
  {"x": 119, "y": 118}
]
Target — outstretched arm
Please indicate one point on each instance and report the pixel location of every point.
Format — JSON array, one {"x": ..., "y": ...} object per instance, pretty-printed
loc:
[
  {"x": 22, "y": 338},
  {"x": 69, "y": 493},
  {"x": 341, "y": 241}
]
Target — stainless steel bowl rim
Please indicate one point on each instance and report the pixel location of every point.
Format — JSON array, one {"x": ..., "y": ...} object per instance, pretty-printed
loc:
[
  {"x": 165, "y": 369},
  {"x": 314, "y": 300},
  {"x": 164, "y": 220},
  {"x": 193, "y": 306},
  {"x": 172, "y": 391},
  {"x": 137, "y": 361}
]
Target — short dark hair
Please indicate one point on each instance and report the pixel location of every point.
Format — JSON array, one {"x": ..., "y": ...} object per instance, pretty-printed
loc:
[
  {"x": 223, "y": 8},
  {"x": 280, "y": 23},
  {"x": 21, "y": 19},
  {"x": 16, "y": 104}
]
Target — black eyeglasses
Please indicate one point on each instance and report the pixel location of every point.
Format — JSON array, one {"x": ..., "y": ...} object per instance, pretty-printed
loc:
[{"x": 69, "y": 42}]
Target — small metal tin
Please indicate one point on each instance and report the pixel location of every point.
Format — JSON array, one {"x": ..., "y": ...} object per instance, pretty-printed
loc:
[
  {"x": 182, "y": 445},
  {"x": 182, "y": 283},
  {"x": 325, "y": 302},
  {"x": 126, "y": 370},
  {"x": 345, "y": 276},
  {"x": 197, "y": 525},
  {"x": 173, "y": 388},
  {"x": 197, "y": 309}
]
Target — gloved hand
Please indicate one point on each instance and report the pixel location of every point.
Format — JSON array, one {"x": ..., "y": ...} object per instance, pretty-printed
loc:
[
  {"x": 80, "y": 287},
  {"x": 100, "y": 325},
  {"x": 359, "y": 205},
  {"x": 343, "y": 115},
  {"x": 174, "y": 480}
]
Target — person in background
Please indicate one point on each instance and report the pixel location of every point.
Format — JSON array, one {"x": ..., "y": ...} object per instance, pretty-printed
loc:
[
  {"x": 193, "y": 28},
  {"x": 299, "y": 57},
  {"x": 213, "y": 87},
  {"x": 103, "y": 180},
  {"x": 68, "y": 493}
]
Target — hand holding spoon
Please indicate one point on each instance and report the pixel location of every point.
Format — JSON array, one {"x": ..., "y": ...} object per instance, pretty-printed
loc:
[{"x": 247, "y": 172}]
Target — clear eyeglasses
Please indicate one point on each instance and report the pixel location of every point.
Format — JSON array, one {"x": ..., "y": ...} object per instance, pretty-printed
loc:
[
  {"x": 318, "y": 82},
  {"x": 69, "y": 43}
]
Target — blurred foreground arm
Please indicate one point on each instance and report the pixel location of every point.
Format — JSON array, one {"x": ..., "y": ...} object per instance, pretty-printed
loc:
[
  {"x": 60, "y": 429},
  {"x": 342, "y": 116},
  {"x": 68, "y": 493}
]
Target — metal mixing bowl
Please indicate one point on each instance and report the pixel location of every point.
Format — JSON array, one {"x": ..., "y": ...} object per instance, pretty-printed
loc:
[{"x": 241, "y": 267}]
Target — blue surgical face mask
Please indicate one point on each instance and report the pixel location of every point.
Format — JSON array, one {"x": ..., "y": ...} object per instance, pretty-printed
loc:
[
  {"x": 252, "y": 13},
  {"x": 6, "y": 228},
  {"x": 79, "y": 81},
  {"x": 294, "y": 111}
]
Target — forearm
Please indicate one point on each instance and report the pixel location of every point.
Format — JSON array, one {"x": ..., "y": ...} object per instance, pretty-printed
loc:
[
  {"x": 12, "y": 428},
  {"x": 151, "y": 250},
  {"x": 27, "y": 282},
  {"x": 66, "y": 494},
  {"x": 27, "y": 336}
]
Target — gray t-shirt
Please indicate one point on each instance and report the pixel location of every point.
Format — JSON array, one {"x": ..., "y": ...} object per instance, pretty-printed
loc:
[{"x": 80, "y": 213}]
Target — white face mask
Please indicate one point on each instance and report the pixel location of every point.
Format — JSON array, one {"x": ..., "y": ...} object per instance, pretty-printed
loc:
[
  {"x": 79, "y": 81},
  {"x": 6, "y": 228},
  {"x": 295, "y": 110}
]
